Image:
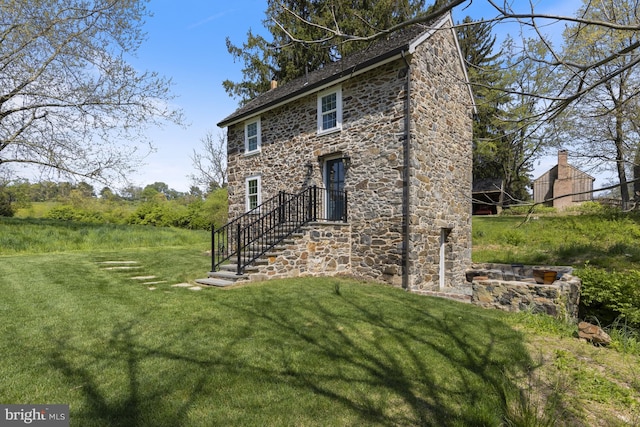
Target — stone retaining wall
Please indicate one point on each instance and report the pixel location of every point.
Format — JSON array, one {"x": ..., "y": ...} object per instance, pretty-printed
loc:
[{"x": 513, "y": 288}]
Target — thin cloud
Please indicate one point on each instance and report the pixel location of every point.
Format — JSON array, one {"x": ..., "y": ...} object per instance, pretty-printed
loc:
[{"x": 206, "y": 20}]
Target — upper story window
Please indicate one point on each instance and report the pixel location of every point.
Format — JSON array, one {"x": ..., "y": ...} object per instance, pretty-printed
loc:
[
  {"x": 330, "y": 110},
  {"x": 253, "y": 192},
  {"x": 252, "y": 138}
]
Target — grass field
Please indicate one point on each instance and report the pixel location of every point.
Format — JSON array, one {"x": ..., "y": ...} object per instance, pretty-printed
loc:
[
  {"x": 610, "y": 243},
  {"x": 299, "y": 352}
]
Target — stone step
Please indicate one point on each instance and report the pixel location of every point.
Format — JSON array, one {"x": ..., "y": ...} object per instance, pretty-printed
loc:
[
  {"x": 279, "y": 247},
  {"x": 234, "y": 267},
  {"x": 226, "y": 275},
  {"x": 263, "y": 259},
  {"x": 209, "y": 281}
]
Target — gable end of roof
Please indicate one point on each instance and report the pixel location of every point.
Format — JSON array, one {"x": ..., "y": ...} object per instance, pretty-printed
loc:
[{"x": 377, "y": 54}]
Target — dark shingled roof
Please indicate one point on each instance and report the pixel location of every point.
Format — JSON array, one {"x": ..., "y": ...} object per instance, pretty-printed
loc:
[
  {"x": 376, "y": 52},
  {"x": 488, "y": 185}
]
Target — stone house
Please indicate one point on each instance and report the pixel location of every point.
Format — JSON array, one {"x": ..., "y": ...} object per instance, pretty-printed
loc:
[
  {"x": 375, "y": 150},
  {"x": 563, "y": 185}
]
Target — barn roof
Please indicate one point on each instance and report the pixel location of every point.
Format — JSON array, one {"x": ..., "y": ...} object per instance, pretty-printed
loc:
[{"x": 553, "y": 174}]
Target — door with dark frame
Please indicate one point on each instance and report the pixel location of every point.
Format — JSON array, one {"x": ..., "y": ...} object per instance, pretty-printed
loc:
[{"x": 334, "y": 183}]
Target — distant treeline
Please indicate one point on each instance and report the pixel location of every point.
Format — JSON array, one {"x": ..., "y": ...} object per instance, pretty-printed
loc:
[
  {"x": 156, "y": 204},
  {"x": 21, "y": 191}
]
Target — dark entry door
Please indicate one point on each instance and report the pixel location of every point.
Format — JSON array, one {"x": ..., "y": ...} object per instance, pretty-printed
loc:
[{"x": 334, "y": 182}]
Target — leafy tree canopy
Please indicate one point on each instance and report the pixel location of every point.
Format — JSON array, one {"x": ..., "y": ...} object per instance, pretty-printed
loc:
[{"x": 602, "y": 125}]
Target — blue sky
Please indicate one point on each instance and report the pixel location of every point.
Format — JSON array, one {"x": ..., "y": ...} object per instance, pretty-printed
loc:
[{"x": 186, "y": 42}]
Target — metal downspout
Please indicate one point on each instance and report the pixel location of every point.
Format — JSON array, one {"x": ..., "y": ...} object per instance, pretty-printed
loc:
[{"x": 405, "y": 178}]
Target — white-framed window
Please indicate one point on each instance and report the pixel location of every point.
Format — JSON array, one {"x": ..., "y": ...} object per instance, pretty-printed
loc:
[
  {"x": 252, "y": 137},
  {"x": 253, "y": 192},
  {"x": 330, "y": 110}
]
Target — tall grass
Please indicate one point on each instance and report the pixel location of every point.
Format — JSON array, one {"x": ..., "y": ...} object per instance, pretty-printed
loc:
[
  {"x": 559, "y": 240},
  {"x": 20, "y": 236}
]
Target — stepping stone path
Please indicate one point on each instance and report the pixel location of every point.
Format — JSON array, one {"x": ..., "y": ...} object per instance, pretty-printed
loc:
[
  {"x": 120, "y": 265},
  {"x": 145, "y": 280},
  {"x": 118, "y": 262},
  {"x": 187, "y": 285}
]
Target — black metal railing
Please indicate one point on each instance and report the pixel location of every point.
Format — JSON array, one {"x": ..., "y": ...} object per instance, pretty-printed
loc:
[{"x": 248, "y": 237}]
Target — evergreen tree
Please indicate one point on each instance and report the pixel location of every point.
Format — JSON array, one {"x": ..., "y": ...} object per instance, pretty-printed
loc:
[
  {"x": 507, "y": 134},
  {"x": 483, "y": 67},
  {"x": 282, "y": 59}
]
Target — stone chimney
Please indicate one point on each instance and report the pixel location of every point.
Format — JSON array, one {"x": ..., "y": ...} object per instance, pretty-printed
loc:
[
  {"x": 563, "y": 165},
  {"x": 563, "y": 185},
  {"x": 274, "y": 84}
]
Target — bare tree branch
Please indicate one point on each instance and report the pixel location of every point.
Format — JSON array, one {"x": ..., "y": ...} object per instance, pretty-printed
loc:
[
  {"x": 68, "y": 99},
  {"x": 211, "y": 163},
  {"x": 503, "y": 13}
]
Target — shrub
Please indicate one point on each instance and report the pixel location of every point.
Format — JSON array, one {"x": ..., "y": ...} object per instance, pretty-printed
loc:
[
  {"x": 196, "y": 217},
  {"x": 588, "y": 208},
  {"x": 152, "y": 213},
  {"x": 514, "y": 237},
  {"x": 190, "y": 213},
  {"x": 610, "y": 294},
  {"x": 216, "y": 207},
  {"x": 5, "y": 205},
  {"x": 70, "y": 213}
]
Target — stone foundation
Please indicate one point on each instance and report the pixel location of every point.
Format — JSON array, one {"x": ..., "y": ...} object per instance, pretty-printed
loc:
[
  {"x": 518, "y": 287},
  {"x": 323, "y": 249}
]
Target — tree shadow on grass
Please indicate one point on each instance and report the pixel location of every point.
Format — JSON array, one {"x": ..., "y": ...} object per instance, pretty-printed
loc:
[
  {"x": 131, "y": 403},
  {"x": 298, "y": 357},
  {"x": 405, "y": 360}
]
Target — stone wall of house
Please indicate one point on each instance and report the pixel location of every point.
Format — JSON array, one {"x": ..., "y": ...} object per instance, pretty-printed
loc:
[
  {"x": 372, "y": 137},
  {"x": 373, "y": 111},
  {"x": 323, "y": 249},
  {"x": 441, "y": 169}
]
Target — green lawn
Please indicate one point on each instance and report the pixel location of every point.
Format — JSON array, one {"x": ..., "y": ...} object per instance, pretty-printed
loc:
[
  {"x": 301, "y": 352},
  {"x": 298, "y": 352}
]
